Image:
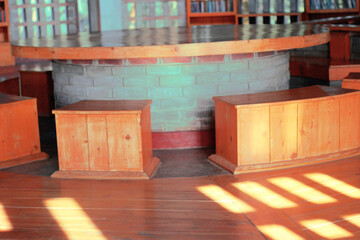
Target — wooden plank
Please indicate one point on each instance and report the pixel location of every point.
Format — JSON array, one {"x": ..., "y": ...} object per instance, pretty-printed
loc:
[
  {"x": 226, "y": 132},
  {"x": 283, "y": 132},
  {"x": 124, "y": 142},
  {"x": 308, "y": 129},
  {"x": 349, "y": 122},
  {"x": 98, "y": 144},
  {"x": 328, "y": 126},
  {"x": 72, "y": 140},
  {"x": 146, "y": 139},
  {"x": 254, "y": 135}
]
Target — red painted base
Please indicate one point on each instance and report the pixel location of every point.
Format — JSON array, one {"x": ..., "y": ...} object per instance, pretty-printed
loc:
[{"x": 188, "y": 139}]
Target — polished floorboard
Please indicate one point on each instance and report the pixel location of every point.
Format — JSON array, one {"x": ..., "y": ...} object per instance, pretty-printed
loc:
[{"x": 313, "y": 202}]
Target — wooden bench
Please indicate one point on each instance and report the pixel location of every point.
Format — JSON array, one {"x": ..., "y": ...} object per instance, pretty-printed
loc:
[
  {"x": 286, "y": 128},
  {"x": 30, "y": 79},
  {"x": 105, "y": 140},
  {"x": 19, "y": 131},
  {"x": 352, "y": 81}
]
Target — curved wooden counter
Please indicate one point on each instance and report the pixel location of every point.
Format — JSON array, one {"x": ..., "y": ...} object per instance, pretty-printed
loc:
[
  {"x": 19, "y": 131},
  {"x": 286, "y": 128},
  {"x": 173, "y": 42}
]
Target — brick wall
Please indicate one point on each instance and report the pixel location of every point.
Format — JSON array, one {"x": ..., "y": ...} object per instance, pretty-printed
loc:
[{"x": 181, "y": 88}]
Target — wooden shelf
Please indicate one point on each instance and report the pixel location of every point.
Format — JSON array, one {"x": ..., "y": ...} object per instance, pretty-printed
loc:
[
  {"x": 213, "y": 18},
  {"x": 6, "y": 58}
]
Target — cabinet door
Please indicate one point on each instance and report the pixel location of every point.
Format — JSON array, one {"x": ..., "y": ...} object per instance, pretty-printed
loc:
[
  {"x": 124, "y": 142},
  {"x": 72, "y": 137}
]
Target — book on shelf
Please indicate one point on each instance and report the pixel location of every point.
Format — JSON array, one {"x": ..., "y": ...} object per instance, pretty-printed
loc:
[
  {"x": 2, "y": 12},
  {"x": 210, "y": 6}
]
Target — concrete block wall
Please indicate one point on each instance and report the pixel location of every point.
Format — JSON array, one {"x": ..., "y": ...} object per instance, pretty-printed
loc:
[{"x": 181, "y": 87}]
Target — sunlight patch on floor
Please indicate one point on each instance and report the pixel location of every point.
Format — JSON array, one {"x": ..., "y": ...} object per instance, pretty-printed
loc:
[
  {"x": 335, "y": 184},
  {"x": 279, "y": 232},
  {"x": 79, "y": 222},
  {"x": 302, "y": 190},
  {"x": 5, "y": 224},
  {"x": 264, "y": 195},
  {"x": 225, "y": 199},
  {"x": 326, "y": 229}
]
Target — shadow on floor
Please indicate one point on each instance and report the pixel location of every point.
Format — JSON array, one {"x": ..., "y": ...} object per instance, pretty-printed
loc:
[{"x": 174, "y": 163}]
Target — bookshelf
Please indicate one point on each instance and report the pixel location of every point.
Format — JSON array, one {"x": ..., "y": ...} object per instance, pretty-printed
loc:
[
  {"x": 316, "y": 9},
  {"x": 202, "y": 12},
  {"x": 5, "y": 57}
]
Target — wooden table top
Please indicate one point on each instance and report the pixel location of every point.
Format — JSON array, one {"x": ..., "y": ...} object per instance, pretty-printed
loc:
[
  {"x": 173, "y": 42},
  {"x": 8, "y": 98},
  {"x": 296, "y": 94},
  {"x": 104, "y": 107}
]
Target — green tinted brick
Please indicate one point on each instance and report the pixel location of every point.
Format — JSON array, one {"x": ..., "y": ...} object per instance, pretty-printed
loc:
[
  {"x": 234, "y": 66},
  {"x": 163, "y": 70},
  {"x": 201, "y": 90},
  {"x": 244, "y": 76},
  {"x": 207, "y": 78},
  {"x": 164, "y": 92},
  {"x": 236, "y": 88},
  {"x": 181, "y": 102},
  {"x": 130, "y": 93},
  {"x": 200, "y": 68},
  {"x": 128, "y": 71},
  {"x": 142, "y": 81},
  {"x": 177, "y": 80}
]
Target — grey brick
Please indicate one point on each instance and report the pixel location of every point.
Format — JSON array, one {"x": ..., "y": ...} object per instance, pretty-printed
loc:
[
  {"x": 177, "y": 80},
  {"x": 182, "y": 125},
  {"x": 200, "y": 68},
  {"x": 60, "y": 78},
  {"x": 99, "y": 92},
  {"x": 130, "y": 93},
  {"x": 128, "y": 71},
  {"x": 244, "y": 76},
  {"x": 164, "y": 92},
  {"x": 74, "y": 91},
  {"x": 110, "y": 81},
  {"x": 72, "y": 69},
  {"x": 203, "y": 90},
  {"x": 141, "y": 81},
  {"x": 77, "y": 80},
  {"x": 235, "y": 88},
  {"x": 163, "y": 70},
  {"x": 207, "y": 78},
  {"x": 206, "y": 102},
  {"x": 180, "y": 102},
  {"x": 98, "y": 71},
  {"x": 234, "y": 66}
]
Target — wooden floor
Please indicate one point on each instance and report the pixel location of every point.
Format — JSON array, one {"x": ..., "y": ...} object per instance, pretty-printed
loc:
[{"x": 315, "y": 202}]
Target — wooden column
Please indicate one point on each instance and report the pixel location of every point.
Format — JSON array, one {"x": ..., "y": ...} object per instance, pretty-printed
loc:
[{"x": 340, "y": 45}]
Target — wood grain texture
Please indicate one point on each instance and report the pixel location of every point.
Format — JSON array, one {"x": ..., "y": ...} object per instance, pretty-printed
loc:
[
  {"x": 283, "y": 132},
  {"x": 308, "y": 115},
  {"x": 329, "y": 120},
  {"x": 172, "y": 42},
  {"x": 105, "y": 140},
  {"x": 19, "y": 130},
  {"x": 98, "y": 144},
  {"x": 39, "y": 85},
  {"x": 254, "y": 135},
  {"x": 164, "y": 208},
  {"x": 349, "y": 122},
  {"x": 72, "y": 142},
  {"x": 286, "y": 128}
]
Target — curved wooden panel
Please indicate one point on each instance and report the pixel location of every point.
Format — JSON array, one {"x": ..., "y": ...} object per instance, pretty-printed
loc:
[
  {"x": 303, "y": 126},
  {"x": 172, "y": 42}
]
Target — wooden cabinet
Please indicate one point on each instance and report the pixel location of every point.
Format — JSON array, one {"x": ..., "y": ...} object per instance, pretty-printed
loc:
[
  {"x": 286, "y": 128},
  {"x": 5, "y": 57},
  {"x": 105, "y": 140},
  {"x": 203, "y": 12},
  {"x": 19, "y": 131}
]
